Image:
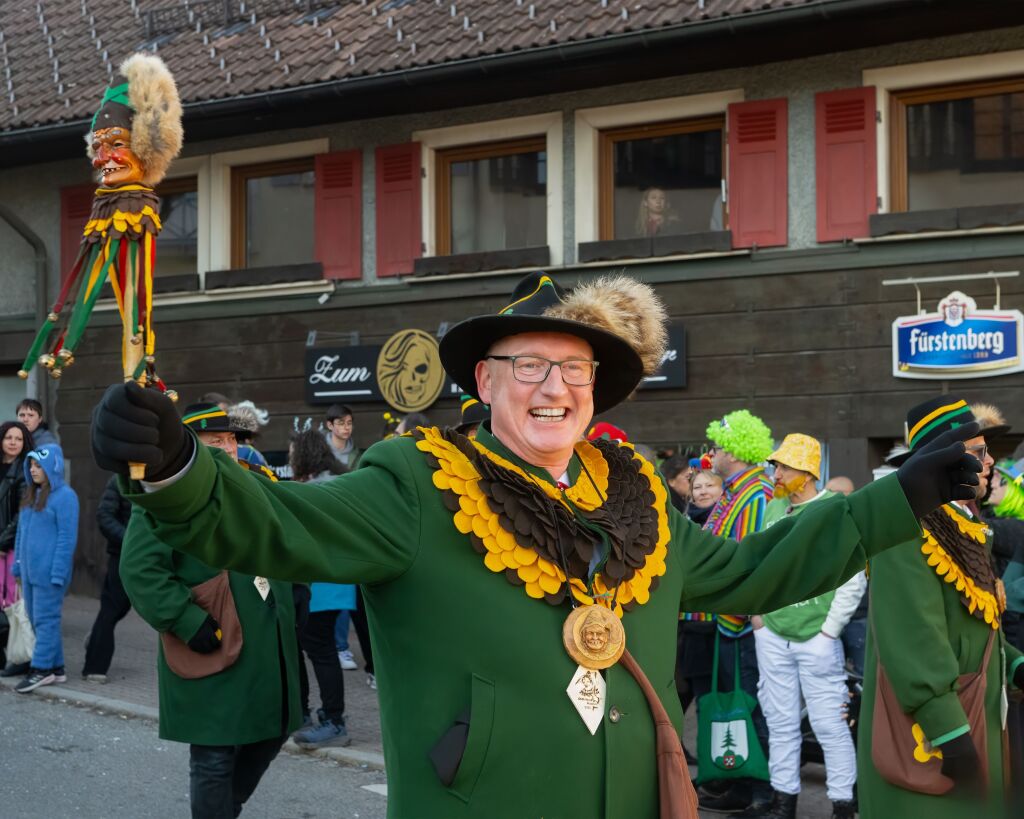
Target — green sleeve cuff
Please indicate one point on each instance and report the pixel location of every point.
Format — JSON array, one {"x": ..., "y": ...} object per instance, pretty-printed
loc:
[
  {"x": 942, "y": 718},
  {"x": 959, "y": 732},
  {"x": 882, "y": 515},
  {"x": 183, "y": 499},
  {"x": 1013, "y": 670},
  {"x": 189, "y": 622}
]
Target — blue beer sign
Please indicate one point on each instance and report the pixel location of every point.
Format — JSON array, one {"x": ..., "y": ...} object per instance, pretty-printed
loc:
[{"x": 957, "y": 341}]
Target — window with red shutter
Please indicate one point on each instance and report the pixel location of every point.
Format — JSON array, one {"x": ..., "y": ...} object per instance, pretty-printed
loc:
[
  {"x": 75, "y": 207},
  {"x": 399, "y": 228},
  {"x": 758, "y": 182},
  {"x": 338, "y": 239},
  {"x": 846, "y": 162}
]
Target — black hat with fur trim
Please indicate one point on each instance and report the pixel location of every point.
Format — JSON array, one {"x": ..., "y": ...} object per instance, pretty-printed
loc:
[{"x": 620, "y": 318}]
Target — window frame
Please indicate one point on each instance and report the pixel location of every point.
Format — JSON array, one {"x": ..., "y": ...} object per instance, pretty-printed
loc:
[
  {"x": 240, "y": 175},
  {"x": 446, "y": 157},
  {"x": 609, "y": 137},
  {"x": 188, "y": 183},
  {"x": 900, "y": 100}
]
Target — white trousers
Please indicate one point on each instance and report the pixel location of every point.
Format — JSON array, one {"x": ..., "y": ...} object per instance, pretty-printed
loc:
[{"x": 814, "y": 668}]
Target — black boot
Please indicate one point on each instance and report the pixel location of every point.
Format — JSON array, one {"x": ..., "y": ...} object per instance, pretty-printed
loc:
[
  {"x": 844, "y": 809},
  {"x": 732, "y": 801},
  {"x": 760, "y": 805},
  {"x": 782, "y": 806}
]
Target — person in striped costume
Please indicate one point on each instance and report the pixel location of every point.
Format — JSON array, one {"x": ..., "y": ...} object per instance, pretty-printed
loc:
[{"x": 741, "y": 441}]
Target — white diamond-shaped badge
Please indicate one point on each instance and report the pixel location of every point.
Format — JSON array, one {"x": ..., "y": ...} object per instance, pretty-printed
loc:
[{"x": 587, "y": 692}]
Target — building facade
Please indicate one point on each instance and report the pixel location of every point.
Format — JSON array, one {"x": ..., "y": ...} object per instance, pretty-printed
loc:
[{"x": 767, "y": 167}]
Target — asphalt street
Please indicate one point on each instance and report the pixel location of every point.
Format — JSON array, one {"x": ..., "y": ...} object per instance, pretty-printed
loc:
[{"x": 60, "y": 760}]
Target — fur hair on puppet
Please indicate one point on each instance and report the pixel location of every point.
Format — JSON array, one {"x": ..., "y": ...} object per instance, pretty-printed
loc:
[
  {"x": 156, "y": 122},
  {"x": 622, "y": 306}
]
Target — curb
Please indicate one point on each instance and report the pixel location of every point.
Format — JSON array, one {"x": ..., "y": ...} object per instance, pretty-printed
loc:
[{"x": 356, "y": 757}]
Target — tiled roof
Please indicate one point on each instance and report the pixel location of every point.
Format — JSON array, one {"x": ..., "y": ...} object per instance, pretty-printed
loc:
[{"x": 57, "y": 56}]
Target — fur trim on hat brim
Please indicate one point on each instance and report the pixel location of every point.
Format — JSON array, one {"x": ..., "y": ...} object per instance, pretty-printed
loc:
[{"x": 618, "y": 374}]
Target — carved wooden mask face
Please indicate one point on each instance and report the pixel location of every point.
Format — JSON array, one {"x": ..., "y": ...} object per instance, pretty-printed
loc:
[{"x": 113, "y": 157}]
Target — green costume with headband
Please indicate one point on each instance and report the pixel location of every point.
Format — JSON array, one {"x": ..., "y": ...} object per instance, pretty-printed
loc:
[{"x": 935, "y": 604}]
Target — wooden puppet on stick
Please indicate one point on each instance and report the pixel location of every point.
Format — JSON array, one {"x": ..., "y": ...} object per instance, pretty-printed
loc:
[{"x": 135, "y": 135}]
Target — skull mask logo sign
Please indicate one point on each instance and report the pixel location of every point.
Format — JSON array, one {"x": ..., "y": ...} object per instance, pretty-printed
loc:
[{"x": 409, "y": 371}]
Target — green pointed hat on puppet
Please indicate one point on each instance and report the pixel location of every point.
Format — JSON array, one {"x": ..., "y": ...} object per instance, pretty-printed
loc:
[
  {"x": 742, "y": 434},
  {"x": 147, "y": 104}
]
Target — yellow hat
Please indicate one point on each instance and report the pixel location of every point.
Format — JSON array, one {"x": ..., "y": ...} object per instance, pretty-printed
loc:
[{"x": 799, "y": 452}]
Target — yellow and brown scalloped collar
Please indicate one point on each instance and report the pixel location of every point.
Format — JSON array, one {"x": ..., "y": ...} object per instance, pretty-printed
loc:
[
  {"x": 525, "y": 527},
  {"x": 962, "y": 560}
]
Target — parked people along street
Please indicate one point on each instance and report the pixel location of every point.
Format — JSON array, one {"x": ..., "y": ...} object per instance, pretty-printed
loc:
[
  {"x": 112, "y": 516},
  {"x": 229, "y": 685},
  {"x": 800, "y": 656},
  {"x": 741, "y": 443},
  {"x": 15, "y": 442},
  {"x": 935, "y": 747},
  {"x": 43, "y": 553},
  {"x": 433, "y": 525},
  {"x": 312, "y": 462}
]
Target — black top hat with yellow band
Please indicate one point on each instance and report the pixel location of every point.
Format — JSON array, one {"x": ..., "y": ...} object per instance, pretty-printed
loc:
[
  {"x": 209, "y": 418},
  {"x": 928, "y": 420},
  {"x": 620, "y": 318}
]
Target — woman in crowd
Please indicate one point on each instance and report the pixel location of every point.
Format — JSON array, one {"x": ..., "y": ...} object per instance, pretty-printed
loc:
[
  {"x": 15, "y": 441},
  {"x": 43, "y": 552},
  {"x": 705, "y": 490},
  {"x": 312, "y": 461}
]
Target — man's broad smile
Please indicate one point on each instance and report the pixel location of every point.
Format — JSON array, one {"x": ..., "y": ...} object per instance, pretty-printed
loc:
[{"x": 548, "y": 415}]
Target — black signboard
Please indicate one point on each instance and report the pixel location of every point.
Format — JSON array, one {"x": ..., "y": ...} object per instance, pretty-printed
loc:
[
  {"x": 348, "y": 375},
  {"x": 342, "y": 375},
  {"x": 672, "y": 374}
]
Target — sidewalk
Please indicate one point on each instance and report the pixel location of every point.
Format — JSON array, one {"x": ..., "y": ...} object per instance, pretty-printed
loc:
[{"x": 131, "y": 687}]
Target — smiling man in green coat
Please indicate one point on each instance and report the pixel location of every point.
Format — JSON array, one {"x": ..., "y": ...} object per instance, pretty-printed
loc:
[{"x": 554, "y": 568}]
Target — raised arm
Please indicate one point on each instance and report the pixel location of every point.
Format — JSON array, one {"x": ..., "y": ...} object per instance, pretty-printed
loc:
[
  {"x": 799, "y": 557},
  {"x": 362, "y": 527}
]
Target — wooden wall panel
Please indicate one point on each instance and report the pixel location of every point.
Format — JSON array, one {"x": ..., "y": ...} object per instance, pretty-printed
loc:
[{"x": 809, "y": 351}]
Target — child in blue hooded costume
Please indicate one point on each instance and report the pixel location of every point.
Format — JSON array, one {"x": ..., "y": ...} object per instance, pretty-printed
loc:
[{"x": 43, "y": 551}]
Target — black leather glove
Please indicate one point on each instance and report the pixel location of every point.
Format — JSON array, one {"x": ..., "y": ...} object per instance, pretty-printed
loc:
[
  {"x": 960, "y": 761},
  {"x": 207, "y": 639},
  {"x": 941, "y": 471},
  {"x": 135, "y": 425}
]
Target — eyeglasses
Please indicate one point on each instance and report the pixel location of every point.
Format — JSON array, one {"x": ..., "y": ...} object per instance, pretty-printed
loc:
[
  {"x": 979, "y": 452},
  {"x": 533, "y": 369}
]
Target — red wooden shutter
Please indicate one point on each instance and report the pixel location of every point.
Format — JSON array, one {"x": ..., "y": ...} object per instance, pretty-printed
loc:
[
  {"x": 758, "y": 168},
  {"x": 339, "y": 215},
  {"x": 846, "y": 161},
  {"x": 398, "y": 208},
  {"x": 75, "y": 207}
]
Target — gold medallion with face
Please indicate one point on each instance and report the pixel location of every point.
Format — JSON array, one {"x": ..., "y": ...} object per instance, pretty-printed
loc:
[
  {"x": 409, "y": 371},
  {"x": 594, "y": 637}
]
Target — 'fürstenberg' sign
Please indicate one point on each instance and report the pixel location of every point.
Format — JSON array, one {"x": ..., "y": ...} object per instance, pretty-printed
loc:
[{"x": 958, "y": 341}]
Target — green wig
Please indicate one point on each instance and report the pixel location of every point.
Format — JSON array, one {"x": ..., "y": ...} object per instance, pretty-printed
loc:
[
  {"x": 1012, "y": 504},
  {"x": 742, "y": 434}
]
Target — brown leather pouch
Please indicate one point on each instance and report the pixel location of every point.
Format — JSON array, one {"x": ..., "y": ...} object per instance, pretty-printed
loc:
[
  {"x": 899, "y": 748},
  {"x": 215, "y": 598}
]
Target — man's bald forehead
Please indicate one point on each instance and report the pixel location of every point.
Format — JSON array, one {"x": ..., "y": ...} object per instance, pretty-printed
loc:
[{"x": 539, "y": 344}]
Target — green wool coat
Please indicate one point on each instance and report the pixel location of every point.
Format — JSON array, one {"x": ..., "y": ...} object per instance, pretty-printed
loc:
[
  {"x": 926, "y": 638},
  {"x": 450, "y": 635},
  {"x": 243, "y": 703}
]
